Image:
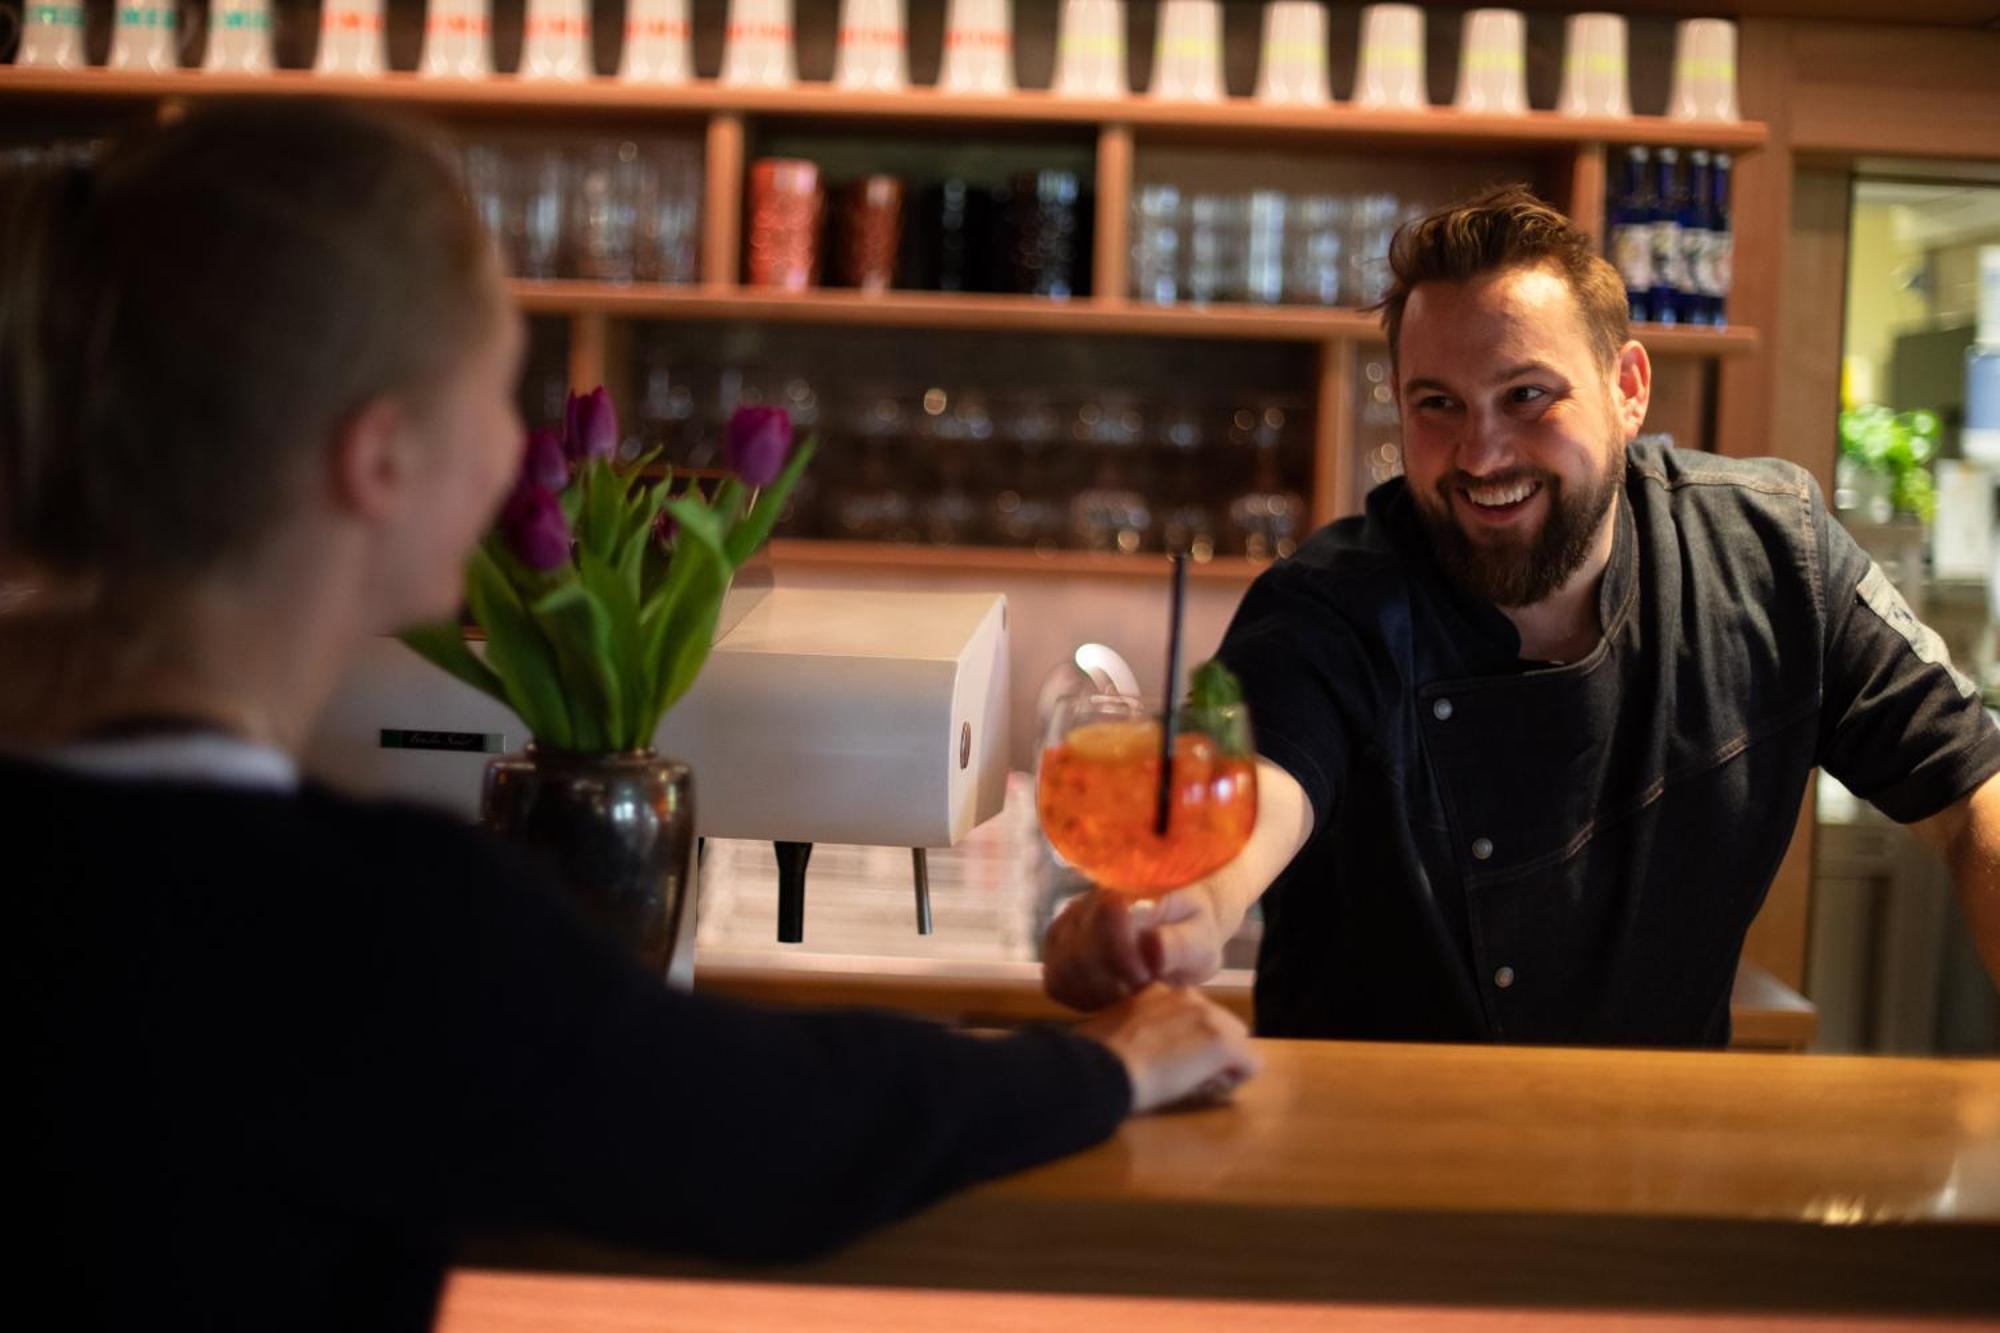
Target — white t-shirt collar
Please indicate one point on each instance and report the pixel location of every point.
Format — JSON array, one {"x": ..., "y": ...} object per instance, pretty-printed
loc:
[{"x": 202, "y": 757}]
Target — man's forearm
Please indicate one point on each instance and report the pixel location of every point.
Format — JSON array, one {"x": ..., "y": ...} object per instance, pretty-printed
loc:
[
  {"x": 1284, "y": 823},
  {"x": 1975, "y": 871},
  {"x": 1968, "y": 831}
]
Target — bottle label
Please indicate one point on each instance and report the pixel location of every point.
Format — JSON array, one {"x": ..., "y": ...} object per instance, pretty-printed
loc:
[
  {"x": 1669, "y": 260},
  {"x": 1632, "y": 252},
  {"x": 1698, "y": 243},
  {"x": 1722, "y": 251}
]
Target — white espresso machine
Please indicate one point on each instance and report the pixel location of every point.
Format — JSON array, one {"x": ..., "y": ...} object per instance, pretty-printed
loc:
[{"x": 877, "y": 718}]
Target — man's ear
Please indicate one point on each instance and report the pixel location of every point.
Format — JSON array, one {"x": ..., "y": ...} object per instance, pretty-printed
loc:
[
  {"x": 373, "y": 461},
  {"x": 1632, "y": 388}
]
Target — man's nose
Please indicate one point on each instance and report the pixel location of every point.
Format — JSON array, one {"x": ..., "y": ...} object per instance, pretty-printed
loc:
[{"x": 1485, "y": 448}]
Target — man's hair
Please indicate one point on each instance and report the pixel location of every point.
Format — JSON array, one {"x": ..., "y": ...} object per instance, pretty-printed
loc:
[{"x": 1506, "y": 228}]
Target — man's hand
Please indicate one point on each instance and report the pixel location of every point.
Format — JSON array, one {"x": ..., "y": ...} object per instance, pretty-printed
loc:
[{"x": 1105, "y": 946}]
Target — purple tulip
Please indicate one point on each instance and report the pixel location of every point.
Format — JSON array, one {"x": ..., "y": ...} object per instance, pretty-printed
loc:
[
  {"x": 546, "y": 464},
  {"x": 534, "y": 527},
  {"x": 665, "y": 527},
  {"x": 759, "y": 440},
  {"x": 590, "y": 426}
]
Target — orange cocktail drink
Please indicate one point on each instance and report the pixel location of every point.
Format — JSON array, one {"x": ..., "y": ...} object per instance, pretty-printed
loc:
[{"x": 1098, "y": 794}]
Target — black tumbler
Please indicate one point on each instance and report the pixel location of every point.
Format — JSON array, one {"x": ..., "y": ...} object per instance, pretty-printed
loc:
[{"x": 1048, "y": 221}]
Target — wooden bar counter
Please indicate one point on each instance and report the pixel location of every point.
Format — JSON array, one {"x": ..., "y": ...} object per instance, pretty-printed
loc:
[{"x": 1513, "y": 1177}]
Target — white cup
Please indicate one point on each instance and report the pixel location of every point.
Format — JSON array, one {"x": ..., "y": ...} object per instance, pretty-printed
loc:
[
  {"x": 657, "y": 34},
  {"x": 555, "y": 41},
  {"x": 870, "y": 51},
  {"x": 978, "y": 47},
  {"x": 1392, "y": 58},
  {"x": 1704, "y": 71},
  {"x": 239, "y": 37},
  {"x": 51, "y": 34},
  {"x": 1187, "y": 60},
  {"x": 351, "y": 38},
  {"x": 1594, "y": 70},
  {"x": 1493, "y": 64},
  {"x": 457, "y": 39},
  {"x": 1294, "y": 64},
  {"x": 145, "y": 35},
  {"x": 1090, "y": 49},
  {"x": 757, "y": 45}
]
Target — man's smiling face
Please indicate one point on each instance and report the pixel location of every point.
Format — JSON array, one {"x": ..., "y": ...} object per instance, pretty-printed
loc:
[{"x": 1514, "y": 429}]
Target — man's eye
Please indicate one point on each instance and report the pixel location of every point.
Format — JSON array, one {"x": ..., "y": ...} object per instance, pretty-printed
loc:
[
  {"x": 1433, "y": 402},
  {"x": 1526, "y": 393}
]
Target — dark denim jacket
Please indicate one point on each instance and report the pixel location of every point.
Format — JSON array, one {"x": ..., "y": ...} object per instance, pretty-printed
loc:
[{"x": 1573, "y": 853}]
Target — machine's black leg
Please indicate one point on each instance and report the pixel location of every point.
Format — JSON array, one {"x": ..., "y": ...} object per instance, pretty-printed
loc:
[
  {"x": 922, "y": 867},
  {"x": 792, "y": 858}
]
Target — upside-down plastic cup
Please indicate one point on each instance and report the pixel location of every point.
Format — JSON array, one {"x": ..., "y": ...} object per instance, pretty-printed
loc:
[
  {"x": 555, "y": 41},
  {"x": 1293, "y": 69},
  {"x": 1090, "y": 49},
  {"x": 52, "y": 35},
  {"x": 657, "y": 33},
  {"x": 457, "y": 39},
  {"x": 757, "y": 45},
  {"x": 1392, "y": 58},
  {"x": 1187, "y": 61},
  {"x": 1493, "y": 66},
  {"x": 871, "y": 46},
  {"x": 146, "y": 35},
  {"x": 978, "y": 47},
  {"x": 1704, "y": 71},
  {"x": 1594, "y": 69}
]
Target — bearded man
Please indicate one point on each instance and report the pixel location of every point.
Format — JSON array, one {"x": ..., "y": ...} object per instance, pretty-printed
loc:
[{"x": 1536, "y": 727}]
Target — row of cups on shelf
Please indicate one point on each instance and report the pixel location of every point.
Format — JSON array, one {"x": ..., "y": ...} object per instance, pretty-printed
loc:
[
  {"x": 147, "y": 36},
  {"x": 977, "y": 56}
]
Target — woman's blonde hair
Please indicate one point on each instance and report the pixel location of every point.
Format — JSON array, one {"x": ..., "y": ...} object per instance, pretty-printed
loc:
[{"x": 185, "y": 321}]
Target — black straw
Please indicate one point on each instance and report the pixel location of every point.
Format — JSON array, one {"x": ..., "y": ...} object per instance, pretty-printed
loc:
[{"x": 1170, "y": 719}]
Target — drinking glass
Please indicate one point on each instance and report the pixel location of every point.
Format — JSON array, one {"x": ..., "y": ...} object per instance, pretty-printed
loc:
[
  {"x": 1051, "y": 236},
  {"x": 533, "y": 221},
  {"x": 1217, "y": 246},
  {"x": 1157, "y": 220},
  {"x": 1098, "y": 791},
  {"x": 1371, "y": 227},
  {"x": 1264, "y": 246},
  {"x": 604, "y": 218},
  {"x": 1316, "y": 262},
  {"x": 669, "y": 215}
]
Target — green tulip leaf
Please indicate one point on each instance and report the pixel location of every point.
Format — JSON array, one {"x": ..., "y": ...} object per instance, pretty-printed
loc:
[{"x": 524, "y": 661}]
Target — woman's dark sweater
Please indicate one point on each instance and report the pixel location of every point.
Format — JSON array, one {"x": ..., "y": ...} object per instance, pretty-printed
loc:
[{"x": 283, "y": 1051}]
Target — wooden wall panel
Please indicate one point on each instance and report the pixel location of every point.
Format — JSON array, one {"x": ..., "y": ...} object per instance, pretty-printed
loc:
[{"x": 1903, "y": 91}]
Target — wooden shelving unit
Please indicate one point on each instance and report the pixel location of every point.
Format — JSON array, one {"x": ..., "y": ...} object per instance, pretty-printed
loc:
[
  {"x": 1236, "y": 117},
  {"x": 1574, "y": 150}
]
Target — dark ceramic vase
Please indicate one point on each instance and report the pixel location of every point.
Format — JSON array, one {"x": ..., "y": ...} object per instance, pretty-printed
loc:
[{"x": 620, "y": 830}]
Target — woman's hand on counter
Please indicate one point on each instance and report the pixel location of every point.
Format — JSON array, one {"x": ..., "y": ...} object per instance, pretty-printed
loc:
[
  {"x": 1178, "y": 1046},
  {"x": 1104, "y": 946}
]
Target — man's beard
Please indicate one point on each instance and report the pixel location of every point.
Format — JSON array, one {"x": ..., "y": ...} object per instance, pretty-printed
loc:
[{"x": 1506, "y": 571}]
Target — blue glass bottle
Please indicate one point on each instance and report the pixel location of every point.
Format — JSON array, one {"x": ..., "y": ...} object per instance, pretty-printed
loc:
[
  {"x": 1630, "y": 228},
  {"x": 1669, "y": 262}
]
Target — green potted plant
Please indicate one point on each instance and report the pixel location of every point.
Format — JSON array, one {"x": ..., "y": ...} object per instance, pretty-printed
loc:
[
  {"x": 1885, "y": 462},
  {"x": 595, "y": 599}
]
